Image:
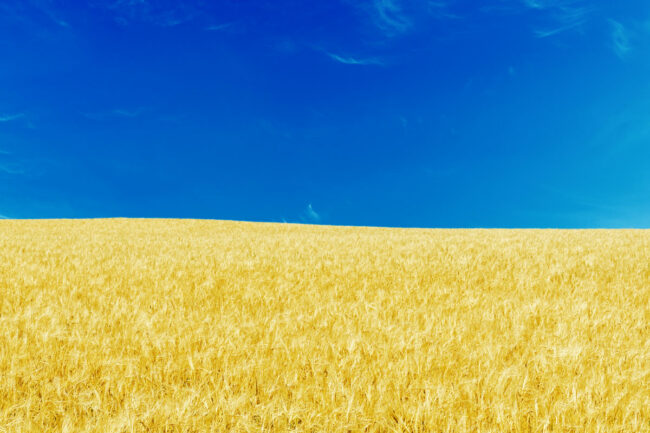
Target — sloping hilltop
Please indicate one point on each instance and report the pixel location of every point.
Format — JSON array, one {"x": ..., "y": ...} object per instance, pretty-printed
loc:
[{"x": 193, "y": 326}]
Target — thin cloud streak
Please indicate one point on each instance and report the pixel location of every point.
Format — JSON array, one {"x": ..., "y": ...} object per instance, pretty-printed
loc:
[
  {"x": 552, "y": 32},
  {"x": 354, "y": 61},
  {"x": 219, "y": 27},
  {"x": 10, "y": 117},
  {"x": 31, "y": 14},
  {"x": 563, "y": 15},
  {"x": 127, "y": 113},
  {"x": 568, "y": 20},
  {"x": 620, "y": 39},
  {"x": 116, "y": 113},
  {"x": 311, "y": 215},
  {"x": 11, "y": 169},
  {"x": 390, "y": 16},
  {"x": 439, "y": 10},
  {"x": 131, "y": 11},
  {"x": 534, "y": 4}
]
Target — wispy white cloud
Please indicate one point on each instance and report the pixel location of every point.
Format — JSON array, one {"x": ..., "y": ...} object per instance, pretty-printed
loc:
[
  {"x": 31, "y": 14},
  {"x": 550, "y": 4},
  {"x": 558, "y": 16},
  {"x": 115, "y": 113},
  {"x": 52, "y": 15},
  {"x": 355, "y": 61},
  {"x": 120, "y": 112},
  {"x": 563, "y": 15},
  {"x": 10, "y": 117},
  {"x": 310, "y": 215},
  {"x": 440, "y": 10},
  {"x": 556, "y": 30},
  {"x": 390, "y": 16},
  {"x": 536, "y": 4},
  {"x": 7, "y": 166},
  {"x": 219, "y": 27},
  {"x": 397, "y": 17},
  {"x": 285, "y": 46},
  {"x": 11, "y": 168},
  {"x": 151, "y": 12},
  {"x": 620, "y": 39},
  {"x": 62, "y": 23}
]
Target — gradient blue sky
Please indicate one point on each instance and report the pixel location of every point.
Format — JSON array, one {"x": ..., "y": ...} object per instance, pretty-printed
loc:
[{"x": 445, "y": 113}]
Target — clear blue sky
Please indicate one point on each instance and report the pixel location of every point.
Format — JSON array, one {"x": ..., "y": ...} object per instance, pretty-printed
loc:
[{"x": 440, "y": 113}]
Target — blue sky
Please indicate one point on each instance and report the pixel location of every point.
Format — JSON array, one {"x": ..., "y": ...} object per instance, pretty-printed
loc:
[{"x": 445, "y": 113}]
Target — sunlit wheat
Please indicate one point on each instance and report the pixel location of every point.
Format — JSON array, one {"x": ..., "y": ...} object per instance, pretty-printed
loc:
[{"x": 194, "y": 326}]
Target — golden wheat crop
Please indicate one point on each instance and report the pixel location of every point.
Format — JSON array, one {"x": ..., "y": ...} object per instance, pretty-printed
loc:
[{"x": 193, "y": 326}]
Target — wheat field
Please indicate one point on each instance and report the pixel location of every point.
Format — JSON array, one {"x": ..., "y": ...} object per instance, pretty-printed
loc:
[{"x": 130, "y": 325}]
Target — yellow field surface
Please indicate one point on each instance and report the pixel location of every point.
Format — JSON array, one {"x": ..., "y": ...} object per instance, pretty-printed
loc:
[{"x": 132, "y": 325}]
